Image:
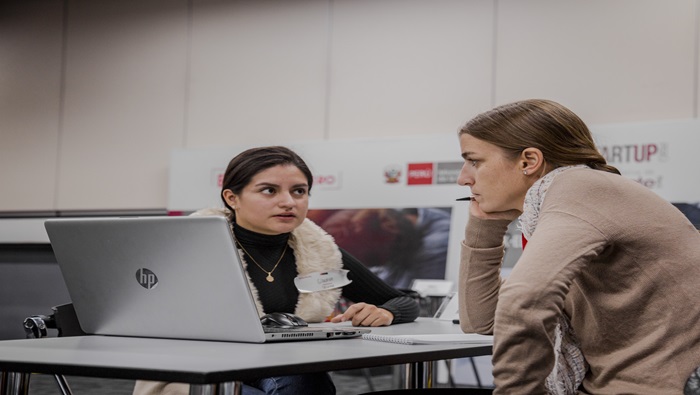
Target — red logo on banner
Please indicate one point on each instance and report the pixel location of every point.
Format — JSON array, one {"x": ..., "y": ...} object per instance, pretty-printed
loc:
[
  {"x": 420, "y": 173},
  {"x": 327, "y": 180},
  {"x": 217, "y": 177}
]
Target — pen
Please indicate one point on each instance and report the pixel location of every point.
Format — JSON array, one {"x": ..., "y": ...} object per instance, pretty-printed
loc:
[{"x": 465, "y": 198}]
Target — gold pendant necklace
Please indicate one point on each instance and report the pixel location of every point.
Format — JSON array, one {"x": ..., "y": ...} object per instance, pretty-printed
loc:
[{"x": 269, "y": 277}]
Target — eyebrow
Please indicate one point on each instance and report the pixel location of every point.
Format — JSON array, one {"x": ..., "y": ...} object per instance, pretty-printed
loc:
[
  {"x": 466, "y": 153},
  {"x": 269, "y": 184}
]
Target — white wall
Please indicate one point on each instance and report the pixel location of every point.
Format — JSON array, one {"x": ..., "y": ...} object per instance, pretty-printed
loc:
[
  {"x": 30, "y": 97},
  {"x": 94, "y": 95}
]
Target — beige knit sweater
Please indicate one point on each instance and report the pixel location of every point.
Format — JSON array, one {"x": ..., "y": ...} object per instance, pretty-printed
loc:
[{"x": 620, "y": 261}]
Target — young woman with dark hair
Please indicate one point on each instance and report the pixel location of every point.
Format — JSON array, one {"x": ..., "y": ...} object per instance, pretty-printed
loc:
[{"x": 266, "y": 194}]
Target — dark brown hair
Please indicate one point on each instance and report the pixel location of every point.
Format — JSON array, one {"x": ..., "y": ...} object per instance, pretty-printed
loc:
[
  {"x": 561, "y": 135},
  {"x": 244, "y": 166}
]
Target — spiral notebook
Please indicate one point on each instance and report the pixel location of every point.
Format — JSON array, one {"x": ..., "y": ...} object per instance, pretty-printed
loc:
[{"x": 458, "y": 338}]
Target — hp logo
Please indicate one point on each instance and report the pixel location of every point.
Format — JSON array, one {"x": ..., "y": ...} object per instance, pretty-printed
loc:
[{"x": 146, "y": 278}]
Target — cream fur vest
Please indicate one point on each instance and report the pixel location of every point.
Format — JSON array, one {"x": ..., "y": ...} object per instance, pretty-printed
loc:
[{"x": 314, "y": 251}]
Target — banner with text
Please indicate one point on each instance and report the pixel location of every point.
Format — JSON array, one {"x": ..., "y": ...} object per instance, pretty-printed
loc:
[{"x": 416, "y": 177}]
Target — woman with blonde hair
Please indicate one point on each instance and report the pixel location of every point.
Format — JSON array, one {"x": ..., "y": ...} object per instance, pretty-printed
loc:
[{"x": 605, "y": 297}]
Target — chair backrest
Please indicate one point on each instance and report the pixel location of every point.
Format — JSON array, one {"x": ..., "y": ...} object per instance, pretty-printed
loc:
[
  {"x": 692, "y": 386},
  {"x": 67, "y": 321},
  {"x": 63, "y": 319}
]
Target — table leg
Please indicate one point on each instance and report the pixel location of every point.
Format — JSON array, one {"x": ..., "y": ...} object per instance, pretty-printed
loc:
[
  {"x": 12, "y": 383},
  {"x": 62, "y": 384},
  {"x": 232, "y": 388},
  {"x": 418, "y": 375},
  {"x": 424, "y": 374},
  {"x": 429, "y": 374}
]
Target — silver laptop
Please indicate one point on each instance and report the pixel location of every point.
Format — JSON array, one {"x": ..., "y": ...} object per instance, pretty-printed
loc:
[{"x": 165, "y": 277}]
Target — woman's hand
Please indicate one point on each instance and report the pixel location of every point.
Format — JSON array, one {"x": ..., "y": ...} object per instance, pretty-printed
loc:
[
  {"x": 363, "y": 314},
  {"x": 476, "y": 211}
]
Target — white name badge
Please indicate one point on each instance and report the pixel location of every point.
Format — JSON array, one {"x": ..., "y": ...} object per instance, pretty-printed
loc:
[{"x": 322, "y": 281}]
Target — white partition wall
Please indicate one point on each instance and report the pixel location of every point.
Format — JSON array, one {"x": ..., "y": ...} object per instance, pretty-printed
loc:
[{"x": 95, "y": 95}]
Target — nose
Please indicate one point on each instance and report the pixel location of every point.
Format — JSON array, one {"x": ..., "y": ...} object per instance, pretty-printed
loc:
[
  {"x": 465, "y": 177},
  {"x": 286, "y": 200}
]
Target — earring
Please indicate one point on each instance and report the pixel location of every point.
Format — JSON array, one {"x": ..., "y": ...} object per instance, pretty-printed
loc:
[{"x": 525, "y": 172}]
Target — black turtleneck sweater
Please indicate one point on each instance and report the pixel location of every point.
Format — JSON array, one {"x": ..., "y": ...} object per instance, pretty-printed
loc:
[{"x": 282, "y": 295}]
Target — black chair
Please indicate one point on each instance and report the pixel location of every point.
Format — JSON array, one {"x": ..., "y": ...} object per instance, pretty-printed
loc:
[
  {"x": 692, "y": 386},
  {"x": 64, "y": 320}
]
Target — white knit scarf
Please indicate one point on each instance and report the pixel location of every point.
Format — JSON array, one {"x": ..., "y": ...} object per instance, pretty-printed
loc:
[{"x": 569, "y": 364}]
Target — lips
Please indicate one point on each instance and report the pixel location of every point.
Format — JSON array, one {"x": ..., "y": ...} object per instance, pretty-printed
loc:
[{"x": 286, "y": 216}]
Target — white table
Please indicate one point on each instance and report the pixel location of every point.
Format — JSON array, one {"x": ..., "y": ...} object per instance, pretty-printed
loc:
[{"x": 219, "y": 367}]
